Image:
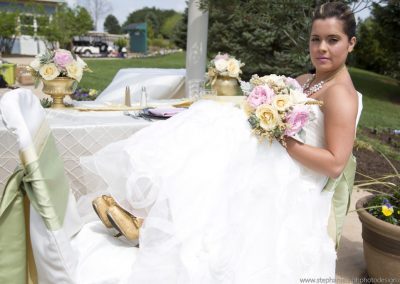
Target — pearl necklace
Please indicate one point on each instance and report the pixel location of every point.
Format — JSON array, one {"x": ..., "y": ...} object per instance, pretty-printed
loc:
[{"x": 309, "y": 90}]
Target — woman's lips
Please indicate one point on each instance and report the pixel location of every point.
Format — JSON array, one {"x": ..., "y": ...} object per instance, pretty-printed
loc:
[{"x": 323, "y": 59}]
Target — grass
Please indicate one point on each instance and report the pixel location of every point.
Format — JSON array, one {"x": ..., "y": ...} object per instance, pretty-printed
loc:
[
  {"x": 104, "y": 70},
  {"x": 381, "y": 99},
  {"x": 381, "y": 94}
]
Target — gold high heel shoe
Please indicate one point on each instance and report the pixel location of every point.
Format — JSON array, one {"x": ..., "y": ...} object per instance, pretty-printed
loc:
[
  {"x": 100, "y": 205},
  {"x": 125, "y": 223}
]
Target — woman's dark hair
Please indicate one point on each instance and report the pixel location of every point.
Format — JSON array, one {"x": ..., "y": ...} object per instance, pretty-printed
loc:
[{"x": 339, "y": 11}]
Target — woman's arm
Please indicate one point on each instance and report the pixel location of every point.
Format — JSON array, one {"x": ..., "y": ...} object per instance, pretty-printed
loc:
[{"x": 340, "y": 112}]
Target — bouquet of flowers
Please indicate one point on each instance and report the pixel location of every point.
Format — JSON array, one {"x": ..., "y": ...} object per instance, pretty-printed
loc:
[
  {"x": 57, "y": 63},
  {"x": 224, "y": 65},
  {"x": 276, "y": 106}
]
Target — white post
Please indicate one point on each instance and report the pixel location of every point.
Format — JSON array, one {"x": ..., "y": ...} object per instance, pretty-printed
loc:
[{"x": 196, "y": 45}]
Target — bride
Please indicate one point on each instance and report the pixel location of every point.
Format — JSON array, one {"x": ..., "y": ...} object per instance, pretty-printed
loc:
[{"x": 221, "y": 207}]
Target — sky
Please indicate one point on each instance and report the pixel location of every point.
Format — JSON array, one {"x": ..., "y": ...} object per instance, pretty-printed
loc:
[{"x": 122, "y": 8}]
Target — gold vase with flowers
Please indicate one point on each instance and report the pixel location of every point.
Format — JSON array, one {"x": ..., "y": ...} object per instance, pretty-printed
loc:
[
  {"x": 60, "y": 71},
  {"x": 223, "y": 75}
]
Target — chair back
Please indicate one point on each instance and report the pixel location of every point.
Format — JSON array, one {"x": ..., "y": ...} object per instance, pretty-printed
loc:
[{"x": 54, "y": 217}]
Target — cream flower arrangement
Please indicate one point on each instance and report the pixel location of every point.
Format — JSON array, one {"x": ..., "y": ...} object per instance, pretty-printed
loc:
[
  {"x": 57, "y": 63},
  {"x": 224, "y": 65}
]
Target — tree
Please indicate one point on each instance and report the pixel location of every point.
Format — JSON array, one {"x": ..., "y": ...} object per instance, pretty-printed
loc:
[
  {"x": 66, "y": 24},
  {"x": 170, "y": 24},
  {"x": 111, "y": 25},
  {"x": 8, "y": 26},
  {"x": 98, "y": 9},
  {"x": 152, "y": 16}
]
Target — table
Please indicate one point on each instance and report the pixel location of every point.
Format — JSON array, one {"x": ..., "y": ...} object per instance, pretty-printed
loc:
[{"x": 76, "y": 134}]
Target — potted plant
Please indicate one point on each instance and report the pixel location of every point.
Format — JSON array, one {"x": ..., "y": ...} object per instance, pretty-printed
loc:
[
  {"x": 60, "y": 71},
  {"x": 380, "y": 217},
  {"x": 223, "y": 74}
]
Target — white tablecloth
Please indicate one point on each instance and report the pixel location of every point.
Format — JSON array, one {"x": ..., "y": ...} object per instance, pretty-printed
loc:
[{"x": 77, "y": 134}]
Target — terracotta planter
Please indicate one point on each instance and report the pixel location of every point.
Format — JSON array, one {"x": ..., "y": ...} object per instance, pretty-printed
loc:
[
  {"x": 226, "y": 86},
  {"x": 58, "y": 88},
  {"x": 381, "y": 242}
]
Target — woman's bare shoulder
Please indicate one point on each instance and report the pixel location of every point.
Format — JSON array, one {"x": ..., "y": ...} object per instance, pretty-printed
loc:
[{"x": 302, "y": 79}]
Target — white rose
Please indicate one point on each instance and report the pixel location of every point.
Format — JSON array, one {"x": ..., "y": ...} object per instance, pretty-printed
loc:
[
  {"x": 233, "y": 67},
  {"x": 49, "y": 71},
  {"x": 282, "y": 102},
  {"x": 35, "y": 64},
  {"x": 221, "y": 65},
  {"x": 74, "y": 71},
  {"x": 297, "y": 96}
]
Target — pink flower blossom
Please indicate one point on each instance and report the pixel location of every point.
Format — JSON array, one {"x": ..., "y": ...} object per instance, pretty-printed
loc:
[
  {"x": 260, "y": 95},
  {"x": 224, "y": 56},
  {"x": 62, "y": 57},
  {"x": 293, "y": 84},
  {"x": 296, "y": 119}
]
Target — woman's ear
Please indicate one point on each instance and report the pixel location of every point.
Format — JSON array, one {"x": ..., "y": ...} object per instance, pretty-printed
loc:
[{"x": 352, "y": 43}]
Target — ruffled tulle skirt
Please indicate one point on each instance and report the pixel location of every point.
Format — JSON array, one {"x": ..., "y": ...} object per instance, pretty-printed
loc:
[{"x": 219, "y": 205}]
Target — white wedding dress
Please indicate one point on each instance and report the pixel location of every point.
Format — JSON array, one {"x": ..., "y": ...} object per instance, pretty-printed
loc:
[{"x": 219, "y": 205}]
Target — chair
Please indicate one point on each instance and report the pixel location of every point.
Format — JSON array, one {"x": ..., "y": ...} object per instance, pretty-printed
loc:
[
  {"x": 159, "y": 83},
  {"x": 65, "y": 249}
]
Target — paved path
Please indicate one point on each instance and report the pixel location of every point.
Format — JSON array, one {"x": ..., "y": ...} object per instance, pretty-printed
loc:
[{"x": 350, "y": 261}]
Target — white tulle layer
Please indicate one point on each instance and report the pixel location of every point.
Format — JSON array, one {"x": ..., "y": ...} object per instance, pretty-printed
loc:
[{"x": 219, "y": 206}]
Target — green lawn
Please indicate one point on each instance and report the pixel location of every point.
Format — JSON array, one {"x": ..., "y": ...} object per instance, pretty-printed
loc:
[{"x": 381, "y": 94}]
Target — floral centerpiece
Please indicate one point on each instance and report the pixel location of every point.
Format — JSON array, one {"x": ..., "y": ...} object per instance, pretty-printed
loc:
[
  {"x": 58, "y": 63},
  {"x": 60, "y": 71},
  {"x": 276, "y": 106},
  {"x": 223, "y": 74}
]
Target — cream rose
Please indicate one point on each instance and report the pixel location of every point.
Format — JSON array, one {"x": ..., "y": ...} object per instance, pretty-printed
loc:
[
  {"x": 49, "y": 71},
  {"x": 233, "y": 67},
  {"x": 74, "y": 71},
  {"x": 268, "y": 116},
  {"x": 80, "y": 62},
  {"x": 221, "y": 65},
  {"x": 282, "y": 102}
]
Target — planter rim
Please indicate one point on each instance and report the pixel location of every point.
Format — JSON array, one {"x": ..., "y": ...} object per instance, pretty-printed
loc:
[
  {"x": 59, "y": 78},
  {"x": 384, "y": 227}
]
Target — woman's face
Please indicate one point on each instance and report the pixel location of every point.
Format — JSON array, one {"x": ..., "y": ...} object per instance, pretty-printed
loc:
[{"x": 329, "y": 45}]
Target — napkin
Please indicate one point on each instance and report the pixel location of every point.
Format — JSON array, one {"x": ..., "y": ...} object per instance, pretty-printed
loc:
[{"x": 165, "y": 112}]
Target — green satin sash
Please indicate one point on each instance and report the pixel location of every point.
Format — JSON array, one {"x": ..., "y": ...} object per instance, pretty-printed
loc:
[
  {"x": 44, "y": 182},
  {"x": 13, "y": 266},
  {"x": 46, "y": 185},
  {"x": 342, "y": 188}
]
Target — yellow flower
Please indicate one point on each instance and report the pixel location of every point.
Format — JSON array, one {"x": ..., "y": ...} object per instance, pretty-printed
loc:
[
  {"x": 386, "y": 210},
  {"x": 49, "y": 71},
  {"x": 268, "y": 116},
  {"x": 233, "y": 67},
  {"x": 282, "y": 102},
  {"x": 74, "y": 71}
]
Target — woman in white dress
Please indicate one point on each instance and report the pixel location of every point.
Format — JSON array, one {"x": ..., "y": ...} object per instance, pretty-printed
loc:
[{"x": 219, "y": 206}]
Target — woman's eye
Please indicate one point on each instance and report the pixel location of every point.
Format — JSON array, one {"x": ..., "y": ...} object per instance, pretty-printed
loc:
[
  {"x": 315, "y": 39},
  {"x": 333, "y": 40}
]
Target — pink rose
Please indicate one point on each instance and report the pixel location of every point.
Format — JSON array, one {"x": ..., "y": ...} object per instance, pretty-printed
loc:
[
  {"x": 224, "y": 56},
  {"x": 62, "y": 57},
  {"x": 293, "y": 84},
  {"x": 260, "y": 95},
  {"x": 296, "y": 119}
]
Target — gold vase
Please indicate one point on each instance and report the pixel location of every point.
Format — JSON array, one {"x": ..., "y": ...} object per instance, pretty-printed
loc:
[
  {"x": 58, "y": 88},
  {"x": 226, "y": 86}
]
